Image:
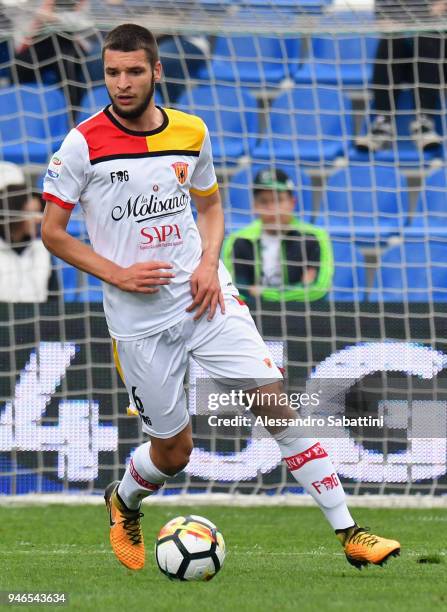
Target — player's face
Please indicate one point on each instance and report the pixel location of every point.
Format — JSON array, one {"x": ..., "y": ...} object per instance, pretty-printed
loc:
[
  {"x": 130, "y": 81},
  {"x": 274, "y": 208}
]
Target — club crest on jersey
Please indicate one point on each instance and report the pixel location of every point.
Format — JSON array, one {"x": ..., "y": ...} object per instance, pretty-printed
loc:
[{"x": 181, "y": 171}]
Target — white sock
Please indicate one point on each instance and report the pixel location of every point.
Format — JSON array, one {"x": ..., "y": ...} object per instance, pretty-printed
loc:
[
  {"x": 311, "y": 467},
  {"x": 141, "y": 478}
]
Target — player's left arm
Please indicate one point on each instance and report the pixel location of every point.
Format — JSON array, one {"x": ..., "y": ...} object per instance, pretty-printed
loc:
[{"x": 205, "y": 284}]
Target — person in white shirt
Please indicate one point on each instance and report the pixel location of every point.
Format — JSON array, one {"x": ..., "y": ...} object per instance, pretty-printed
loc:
[
  {"x": 26, "y": 273},
  {"x": 133, "y": 168}
]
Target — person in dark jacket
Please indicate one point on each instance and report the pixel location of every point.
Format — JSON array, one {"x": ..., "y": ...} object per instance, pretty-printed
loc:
[
  {"x": 53, "y": 42},
  {"x": 404, "y": 58}
]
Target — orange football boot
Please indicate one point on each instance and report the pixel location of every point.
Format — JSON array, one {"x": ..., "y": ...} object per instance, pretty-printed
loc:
[
  {"x": 126, "y": 536},
  {"x": 362, "y": 548}
]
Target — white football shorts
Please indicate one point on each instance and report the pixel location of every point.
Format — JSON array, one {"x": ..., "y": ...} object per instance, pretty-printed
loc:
[{"x": 229, "y": 348}]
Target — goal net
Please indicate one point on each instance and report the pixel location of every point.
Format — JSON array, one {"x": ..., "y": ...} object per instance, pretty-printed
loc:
[{"x": 282, "y": 85}]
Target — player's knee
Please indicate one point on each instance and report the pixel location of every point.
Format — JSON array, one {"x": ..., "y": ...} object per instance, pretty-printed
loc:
[
  {"x": 266, "y": 401},
  {"x": 188, "y": 448},
  {"x": 176, "y": 464},
  {"x": 174, "y": 459},
  {"x": 181, "y": 457}
]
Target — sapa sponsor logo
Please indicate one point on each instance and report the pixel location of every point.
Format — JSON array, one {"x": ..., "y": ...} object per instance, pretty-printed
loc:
[{"x": 160, "y": 236}]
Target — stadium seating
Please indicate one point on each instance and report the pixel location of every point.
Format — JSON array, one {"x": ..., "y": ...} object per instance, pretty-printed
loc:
[
  {"x": 89, "y": 289},
  {"x": 349, "y": 280},
  {"x": 77, "y": 286},
  {"x": 296, "y": 6},
  {"x": 92, "y": 101},
  {"x": 255, "y": 8},
  {"x": 414, "y": 271},
  {"x": 430, "y": 215},
  {"x": 239, "y": 201},
  {"x": 33, "y": 123},
  {"x": 253, "y": 60},
  {"x": 68, "y": 279},
  {"x": 320, "y": 118},
  {"x": 366, "y": 203},
  {"x": 231, "y": 115},
  {"x": 344, "y": 60},
  {"x": 404, "y": 152}
]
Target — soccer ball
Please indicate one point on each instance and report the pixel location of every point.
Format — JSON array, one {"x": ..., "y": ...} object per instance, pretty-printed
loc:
[{"x": 190, "y": 548}]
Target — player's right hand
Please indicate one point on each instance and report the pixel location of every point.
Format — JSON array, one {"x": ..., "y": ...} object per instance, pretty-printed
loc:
[{"x": 144, "y": 277}]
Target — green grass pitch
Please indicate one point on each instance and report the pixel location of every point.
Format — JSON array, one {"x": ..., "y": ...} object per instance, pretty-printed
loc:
[{"x": 278, "y": 558}]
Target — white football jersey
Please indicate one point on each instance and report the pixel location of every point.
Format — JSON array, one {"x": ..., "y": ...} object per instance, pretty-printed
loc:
[{"x": 134, "y": 191}]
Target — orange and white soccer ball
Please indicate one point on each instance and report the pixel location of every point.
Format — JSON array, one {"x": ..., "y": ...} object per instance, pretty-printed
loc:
[{"x": 190, "y": 548}]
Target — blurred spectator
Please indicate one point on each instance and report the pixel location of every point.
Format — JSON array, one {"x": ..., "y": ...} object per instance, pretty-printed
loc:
[
  {"x": 404, "y": 59},
  {"x": 26, "y": 273},
  {"x": 182, "y": 58},
  {"x": 54, "y": 42},
  {"x": 5, "y": 56},
  {"x": 278, "y": 256}
]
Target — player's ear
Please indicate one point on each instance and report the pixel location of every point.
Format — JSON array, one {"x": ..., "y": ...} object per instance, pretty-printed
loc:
[{"x": 158, "y": 71}]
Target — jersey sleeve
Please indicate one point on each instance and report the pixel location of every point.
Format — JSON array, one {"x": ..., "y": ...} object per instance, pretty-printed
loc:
[
  {"x": 203, "y": 180},
  {"x": 67, "y": 172}
]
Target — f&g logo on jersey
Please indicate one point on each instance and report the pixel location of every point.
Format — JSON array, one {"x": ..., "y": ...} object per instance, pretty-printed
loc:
[
  {"x": 160, "y": 236},
  {"x": 120, "y": 176}
]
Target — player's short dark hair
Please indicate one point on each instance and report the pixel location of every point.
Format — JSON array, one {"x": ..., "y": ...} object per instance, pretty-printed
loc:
[{"x": 132, "y": 37}]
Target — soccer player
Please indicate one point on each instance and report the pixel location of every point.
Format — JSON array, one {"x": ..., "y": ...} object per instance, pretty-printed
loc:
[{"x": 133, "y": 168}]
